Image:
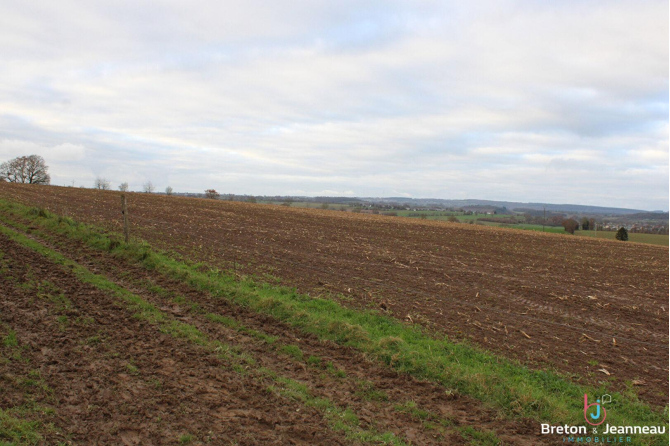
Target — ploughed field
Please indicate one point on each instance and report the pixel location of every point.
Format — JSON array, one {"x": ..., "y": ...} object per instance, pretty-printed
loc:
[
  {"x": 191, "y": 365},
  {"x": 99, "y": 350},
  {"x": 550, "y": 300}
]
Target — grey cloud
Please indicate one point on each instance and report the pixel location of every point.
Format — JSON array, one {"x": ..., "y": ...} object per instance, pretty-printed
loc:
[{"x": 509, "y": 100}]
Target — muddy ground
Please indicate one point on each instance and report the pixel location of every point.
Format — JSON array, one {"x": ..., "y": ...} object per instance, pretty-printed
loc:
[
  {"x": 594, "y": 309},
  {"x": 106, "y": 377},
  {"x": 110, "y": 378}
]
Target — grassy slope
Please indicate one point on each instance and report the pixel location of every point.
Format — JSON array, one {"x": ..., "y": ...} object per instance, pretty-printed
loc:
[
  {"x": 27, "y": 433},
  {"x": 507, "y": 385}
]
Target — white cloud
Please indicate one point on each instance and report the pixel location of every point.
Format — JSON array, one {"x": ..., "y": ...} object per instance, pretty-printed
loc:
[
  {"x": 59, "y": 154},
  {"x": 504, "y": 99}
]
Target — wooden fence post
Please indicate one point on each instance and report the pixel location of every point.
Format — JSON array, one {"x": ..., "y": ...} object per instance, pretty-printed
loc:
[{"x": 124, "y": 211}]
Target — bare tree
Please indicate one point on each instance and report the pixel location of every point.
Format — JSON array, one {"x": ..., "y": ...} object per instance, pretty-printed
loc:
[
  {"x": 149, "y": 187},
  {"x": 211, "y": 193},
  {"x": 570, "y": 225},
  {"x": 123, "y": 187},
  {"x": 102, "y": 183},
  {"x": 168, "y": 190},
  {"x": 25, "y": 169}
]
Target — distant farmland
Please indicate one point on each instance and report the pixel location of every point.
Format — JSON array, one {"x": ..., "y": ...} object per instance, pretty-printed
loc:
[
  {"x": 490, "y": 220},
  {"x": 337, "y": 316},
  {"x": 653, "y": 239}
]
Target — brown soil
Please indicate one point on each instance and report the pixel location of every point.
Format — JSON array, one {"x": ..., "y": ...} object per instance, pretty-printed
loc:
[
  {"x": 597, "y": 309},
  {"x": 113, "y": 379},
  {"x": 391, "y": 389}
]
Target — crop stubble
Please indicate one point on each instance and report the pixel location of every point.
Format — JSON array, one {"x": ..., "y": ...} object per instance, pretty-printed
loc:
[{"x": 593, "y": 308}]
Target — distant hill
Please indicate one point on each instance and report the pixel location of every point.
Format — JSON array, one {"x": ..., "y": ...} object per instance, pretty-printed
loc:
[
  {"x": 468, "y": 203},
  {"x": 511, "y": 205},
  {"x": 655, "y": 216}
]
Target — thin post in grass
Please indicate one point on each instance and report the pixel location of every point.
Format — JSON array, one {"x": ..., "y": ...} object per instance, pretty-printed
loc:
[{"x": 124, "y": 211}]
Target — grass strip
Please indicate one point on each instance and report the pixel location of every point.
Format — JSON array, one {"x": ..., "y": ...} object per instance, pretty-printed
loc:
[
  {"x": 14, "y": 431},
  {"x": 509, "y": 386},
  {"x": 340, "y": 419},
  {"x": 333, "y": 413},
  {"x": 16, "y": 426}
]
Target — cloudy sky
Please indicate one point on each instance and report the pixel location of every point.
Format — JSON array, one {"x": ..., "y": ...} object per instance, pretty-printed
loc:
[{"x": 545, "y": 101}]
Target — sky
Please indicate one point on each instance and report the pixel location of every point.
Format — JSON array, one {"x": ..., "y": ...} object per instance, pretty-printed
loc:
[{"x": 533, "y": 101}]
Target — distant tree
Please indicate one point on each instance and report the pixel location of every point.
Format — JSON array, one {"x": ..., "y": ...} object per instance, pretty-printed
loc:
[
  {"x": 149, "y": 187},
  {"x": 585, "y": 224},
  {"x": 123, "y": 187},
  {"x": 622, "y": 234},
  {"x": 570, "y": 225},
  {"x": 251, "y": 199},
  {"x": 25, "y": 169},
  {"x": 324, "y": 206},
  {"x": 592, "y": 224},
  {"x": 212, "y": 194},
  {"x": 168, "y": 190},
  {"x": 556, "y": 220},
  {"x": 101, "y": 183},
  {"x": 453, "y": 219}
]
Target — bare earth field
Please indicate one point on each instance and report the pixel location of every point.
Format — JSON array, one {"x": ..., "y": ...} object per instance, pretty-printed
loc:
[
  {"x": 98, "y": 351},
  {"x": 104, "y": 370},
  {"x": 595, "y": 309}
]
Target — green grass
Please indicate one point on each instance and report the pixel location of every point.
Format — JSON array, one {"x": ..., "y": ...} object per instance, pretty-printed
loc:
[
  {"x": 10, "y": 339},
  {"x": 411, "y": 408},
  {"x": 311, "y": 205},
  {"x": 15, "y": 431},
  {"x": 477, "y": 438},
  {"x": 507, "y": 385},
  {"x": 16, "y": 426},
  {"x": 528, "y": 227},
  {"x": 368, "y": 391},
  {"x": 293, "y": 351},
  {"x": 186, "y": 439},
  {"x": 432, "y": 421},
  {"x": 341, "y": 419},
  {"x": 132, "y": 369},
  {"x": 652, "y": 239}
]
